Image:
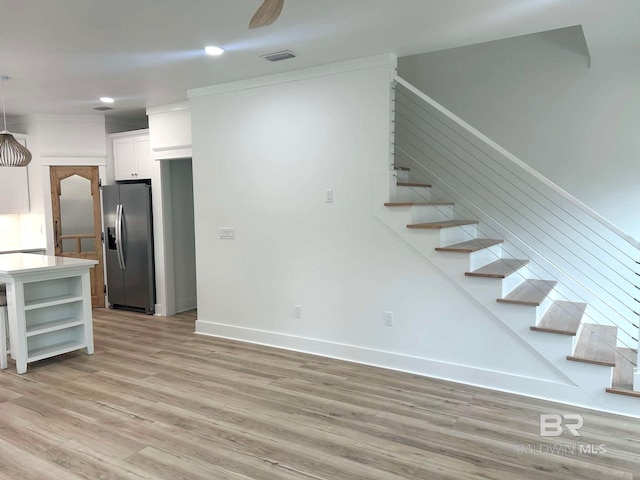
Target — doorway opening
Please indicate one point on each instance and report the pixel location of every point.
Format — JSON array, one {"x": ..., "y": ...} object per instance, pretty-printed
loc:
[{"x": 179, "y": 233}]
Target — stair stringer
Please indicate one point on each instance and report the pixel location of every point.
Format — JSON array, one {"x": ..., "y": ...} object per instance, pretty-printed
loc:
[{"x": 590, "y": 379}]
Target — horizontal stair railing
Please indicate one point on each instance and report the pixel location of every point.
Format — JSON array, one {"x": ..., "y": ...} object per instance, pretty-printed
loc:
[{"x": 594, "y": 260}]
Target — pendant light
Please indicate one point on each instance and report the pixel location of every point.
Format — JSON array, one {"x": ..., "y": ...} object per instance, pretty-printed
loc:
[{"x": 12, "y": 154}]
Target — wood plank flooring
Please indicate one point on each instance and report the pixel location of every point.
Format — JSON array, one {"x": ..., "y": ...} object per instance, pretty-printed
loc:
[{"x": 158, "y": 402}]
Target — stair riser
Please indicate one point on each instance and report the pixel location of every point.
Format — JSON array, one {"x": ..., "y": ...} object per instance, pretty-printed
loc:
[
  {"x": 429, "y": 214},
  {"x": 518, "y": 317},
  {"x": 552, "y": 345},
  {"x": 486, "y": 291},
  {"x": 423, "y": 240},
  {"x": 593, "y": 379},
  {"x": 578, "y": 333},
  {"x": 544, "y": 307},
  {"x": 397, "y": 218},
  {"x": 483, "y": 257},
  {"x": 451, "y": 236},
  {"x": 469, "y": 262},
  {"x": 513, "y": 280},
  {"x": 410, "y": 194},
  {"x": 452, "y": 261}
]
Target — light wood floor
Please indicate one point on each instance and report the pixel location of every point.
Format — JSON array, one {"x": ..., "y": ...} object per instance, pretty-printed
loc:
[{"x": 158, "y": 402}]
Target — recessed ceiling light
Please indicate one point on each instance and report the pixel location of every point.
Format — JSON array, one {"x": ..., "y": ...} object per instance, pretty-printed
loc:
[
  {"x": 107, "y": 100},
  {"x": 213, "y": 50}
]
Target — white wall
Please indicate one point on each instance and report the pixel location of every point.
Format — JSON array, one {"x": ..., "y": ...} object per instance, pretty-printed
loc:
[
  {"x": 264, "y": 154},
  {"x": 10, "y": 235},
  {"x": 536, "y": 96},
  {"x": 183, "y": 234}
]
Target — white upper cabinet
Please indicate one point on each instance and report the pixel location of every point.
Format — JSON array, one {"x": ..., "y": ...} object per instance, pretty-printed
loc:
[
  {"x": 14, "y": 188},
  {"x": 132, "y": 155}
]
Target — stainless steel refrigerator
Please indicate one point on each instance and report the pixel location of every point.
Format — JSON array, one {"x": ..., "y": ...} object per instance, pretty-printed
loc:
[{"x": 128, "y": 229}]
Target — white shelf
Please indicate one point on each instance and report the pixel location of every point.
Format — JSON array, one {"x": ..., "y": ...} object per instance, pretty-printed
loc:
[
  {"x": 48, "y": 327},
  {"x": 52, "y": 298},
  {"x": 53, "y": 350},
  {"x": 52, "y": 301}
]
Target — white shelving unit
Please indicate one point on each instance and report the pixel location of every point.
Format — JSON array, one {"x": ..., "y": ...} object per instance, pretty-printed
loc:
[{"x": 49, "y": 301}]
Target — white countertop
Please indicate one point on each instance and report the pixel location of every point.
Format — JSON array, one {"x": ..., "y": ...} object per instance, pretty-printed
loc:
[{"x": 17, "y": 263}]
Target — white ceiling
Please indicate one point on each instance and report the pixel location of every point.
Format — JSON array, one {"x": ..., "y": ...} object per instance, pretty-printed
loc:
[{"x": 62, "y": 55}]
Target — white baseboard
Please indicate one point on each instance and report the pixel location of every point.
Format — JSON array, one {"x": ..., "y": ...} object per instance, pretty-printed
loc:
[
  {"x": 160, "y": 310},
  {"x": 465, "y": 374}
]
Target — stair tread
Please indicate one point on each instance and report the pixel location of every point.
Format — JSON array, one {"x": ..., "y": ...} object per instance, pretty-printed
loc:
[
  {"x": 470, "y": 246},
  {"x": 413, "y": 184},
  {"x": 596, "y": 345},
  {"x": 402, "y": 169},
  {"x": 529, "y": 292},
  {"x": 621, "y": 391},
  {"x": 417, "y": 204},
  {"x": 444, "y": 224},
  {"x": 563, "y": 318},
  {"x": 501, "y": 268}
]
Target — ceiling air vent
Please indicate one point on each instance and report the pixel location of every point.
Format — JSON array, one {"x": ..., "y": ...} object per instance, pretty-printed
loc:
[
  {"x": 279, "y": 56},
  {"x": 103, "y": 109}
]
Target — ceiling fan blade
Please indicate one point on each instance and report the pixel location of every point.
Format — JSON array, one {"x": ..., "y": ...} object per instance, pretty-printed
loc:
[{"x": 268, "y": 13}]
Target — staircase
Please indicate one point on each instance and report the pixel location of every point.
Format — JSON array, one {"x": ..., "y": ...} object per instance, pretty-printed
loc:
[
  {"x": 573, "y": 319},
  {"x": 453, "y": 245}
]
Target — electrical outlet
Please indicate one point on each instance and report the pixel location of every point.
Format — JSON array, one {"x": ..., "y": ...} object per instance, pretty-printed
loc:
[
  {"x": 388, "y": 319},
  {"x": 297, "y": 311},
  {"x": 227, "y": 233},
  {"x": 329, "y": 195}
]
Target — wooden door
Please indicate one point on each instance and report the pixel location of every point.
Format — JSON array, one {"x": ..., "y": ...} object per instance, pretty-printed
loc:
[{"x": 77, "y": 220}]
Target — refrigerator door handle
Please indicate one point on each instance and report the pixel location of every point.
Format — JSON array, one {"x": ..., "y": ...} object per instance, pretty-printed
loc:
[{"x": 119, "y": 236}]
